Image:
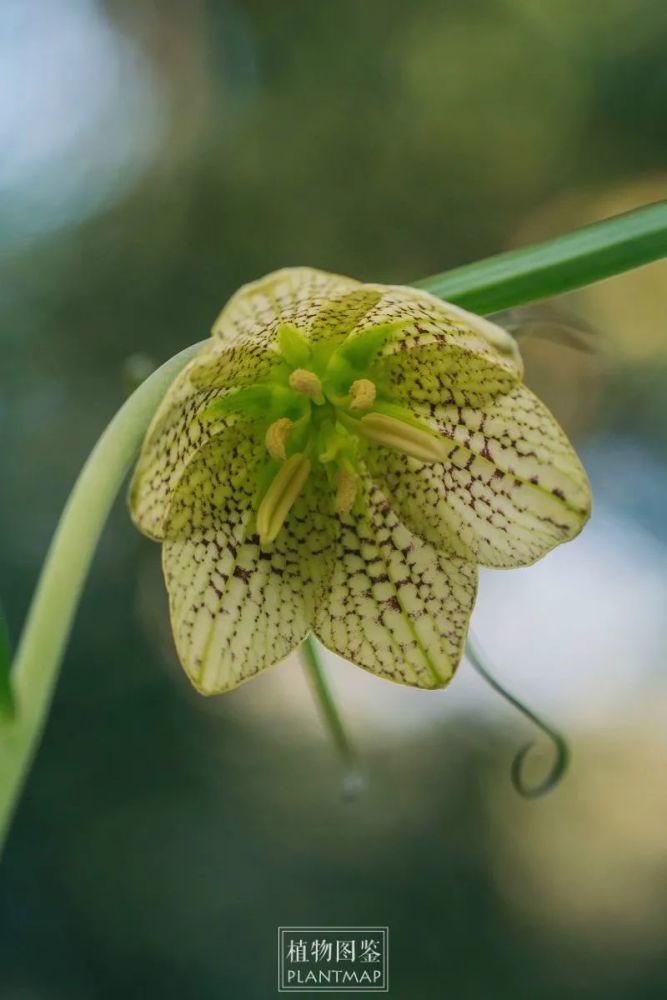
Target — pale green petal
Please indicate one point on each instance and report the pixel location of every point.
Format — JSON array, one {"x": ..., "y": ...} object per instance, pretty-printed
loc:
[
  {"x": 291, "y": 295},
  {"x": 344, "y": 311},
  {"x": 397, "y": 607},
  {"x": 245, "y": 332},
  {"x": 441, "y": 352},
  {"x": 177, "y": 432},
  {"x": 511, "y": 491},
  {"x": 236, "y": 608},
  {"x": 450, "y": 350}
]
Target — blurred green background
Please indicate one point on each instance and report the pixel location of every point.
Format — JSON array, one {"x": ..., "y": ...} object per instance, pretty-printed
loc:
[{"x": 155, "y": 156}]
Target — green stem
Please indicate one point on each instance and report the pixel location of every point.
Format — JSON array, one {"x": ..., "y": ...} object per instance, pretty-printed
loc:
[
  {"x": 328, "y": 709},
  {"x": 559, "y": 265},
  {"x": 54, "y": 604}
]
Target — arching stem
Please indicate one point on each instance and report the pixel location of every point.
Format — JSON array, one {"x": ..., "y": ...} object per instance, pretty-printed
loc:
[{"x": 49, "y": 620}]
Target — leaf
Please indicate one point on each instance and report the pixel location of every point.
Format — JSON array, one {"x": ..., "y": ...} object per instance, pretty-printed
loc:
[
  {"x": 7, "y": 706},
  {"x": 558, "y": 265}
]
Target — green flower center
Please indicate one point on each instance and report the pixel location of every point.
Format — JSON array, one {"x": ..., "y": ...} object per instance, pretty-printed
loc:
[{"x": 324, "y": 403}]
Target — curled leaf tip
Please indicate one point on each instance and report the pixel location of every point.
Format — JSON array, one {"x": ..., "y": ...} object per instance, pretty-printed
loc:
[
  {"x": 558, "y": 768},
  {"x": 528, "y": 789}
]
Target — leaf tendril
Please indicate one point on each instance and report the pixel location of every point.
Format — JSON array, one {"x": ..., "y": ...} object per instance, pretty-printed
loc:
[{"x": 561, "y": 749}]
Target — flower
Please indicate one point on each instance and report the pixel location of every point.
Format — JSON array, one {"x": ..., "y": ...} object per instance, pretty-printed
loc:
[{"x": 339, "y": 459}]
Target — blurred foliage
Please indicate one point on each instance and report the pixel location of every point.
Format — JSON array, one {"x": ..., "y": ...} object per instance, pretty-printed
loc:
[{"x": 162, "y": 839}]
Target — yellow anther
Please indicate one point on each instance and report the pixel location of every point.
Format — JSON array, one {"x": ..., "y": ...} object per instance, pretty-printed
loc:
[
  {"x": 281, "y": 496},
  {"x": 362, "y": 394},
  {"x": 346, "y": 491},
  {"x": 276, "y": 436},
  {"x": 406, "y": 438},
  {"x": 308, "y": 384}
]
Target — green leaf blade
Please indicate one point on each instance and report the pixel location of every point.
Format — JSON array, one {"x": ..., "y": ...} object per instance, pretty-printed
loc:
[
  {"x": 7, "y": 706},
  {"x": 579, "y": 258}
]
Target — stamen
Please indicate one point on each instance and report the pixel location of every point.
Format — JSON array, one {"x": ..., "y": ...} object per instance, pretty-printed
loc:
[
  {"x": 346, "y": 491},
  {"x": 281, "y": 496},
  {"x": 362, "y": 394},
  {"x": 276, "y": 436},
  {"x": 308, "y": 384},
  {"x": 405, "y": 438}
]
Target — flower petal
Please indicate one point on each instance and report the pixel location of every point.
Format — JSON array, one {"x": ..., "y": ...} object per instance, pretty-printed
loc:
[
  {"x": 176, "y": 433},
  {"x": 290, "y": 295},
  {"x": 441, "y": 352},
  {"x": 397, "y": 607},
  {"x": 511, "y": 491},
  {"x": 240, "y": 352},
  {"x": 244, "y": 334},
  {"x": 237, "y": 608}
]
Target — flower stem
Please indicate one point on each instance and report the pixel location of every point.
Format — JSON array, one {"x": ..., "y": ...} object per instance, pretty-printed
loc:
[{"x": 49, "y": 620}]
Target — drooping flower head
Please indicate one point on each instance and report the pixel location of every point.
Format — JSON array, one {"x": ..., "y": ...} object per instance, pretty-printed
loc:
[{"x": 339, "y": 459}]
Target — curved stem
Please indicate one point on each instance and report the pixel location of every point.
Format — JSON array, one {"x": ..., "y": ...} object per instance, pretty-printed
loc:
[
  {"x": 330, "y": 715},
  {"x": 49, "y": 620},
  {"x": 562, "y": 752}
]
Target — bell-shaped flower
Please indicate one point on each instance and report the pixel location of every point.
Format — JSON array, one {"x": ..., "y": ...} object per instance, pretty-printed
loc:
[{"x": 338, "y": 460}]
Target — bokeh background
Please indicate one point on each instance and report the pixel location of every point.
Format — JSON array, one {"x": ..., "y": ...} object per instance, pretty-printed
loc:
[{"x": 154, "y": 156}]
